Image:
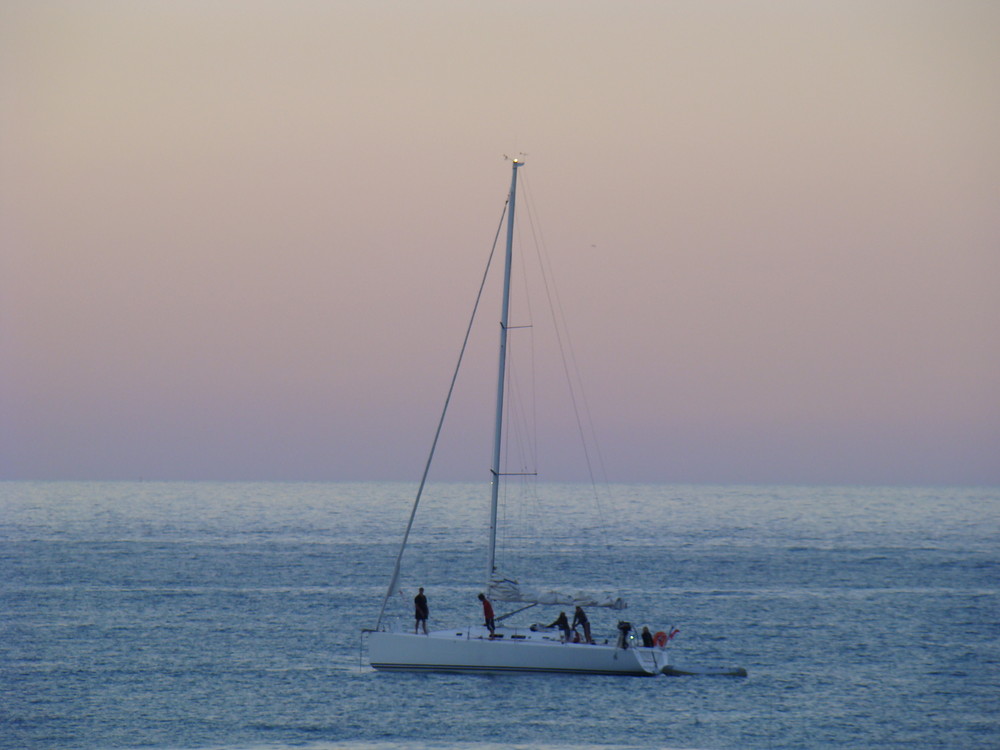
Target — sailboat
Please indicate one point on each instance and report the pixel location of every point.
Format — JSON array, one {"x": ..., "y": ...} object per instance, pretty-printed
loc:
[{"x": 507, "y": 648}]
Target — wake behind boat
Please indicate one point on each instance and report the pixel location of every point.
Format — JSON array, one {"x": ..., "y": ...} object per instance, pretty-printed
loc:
[{"x": 503, "y": 648}]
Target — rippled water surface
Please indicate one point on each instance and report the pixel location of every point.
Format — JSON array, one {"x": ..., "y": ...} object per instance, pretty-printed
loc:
[{"x": 224, "y": 615}]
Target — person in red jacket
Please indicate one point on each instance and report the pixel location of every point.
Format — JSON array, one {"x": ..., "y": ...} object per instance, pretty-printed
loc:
[{"x": 488, "y": 613}]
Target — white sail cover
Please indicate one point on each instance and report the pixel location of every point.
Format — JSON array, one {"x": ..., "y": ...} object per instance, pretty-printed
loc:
[{"x": 510, "y": 591}]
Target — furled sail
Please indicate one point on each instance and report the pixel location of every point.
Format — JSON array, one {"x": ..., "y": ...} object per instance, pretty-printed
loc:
[{"x": 507, "y": 590}]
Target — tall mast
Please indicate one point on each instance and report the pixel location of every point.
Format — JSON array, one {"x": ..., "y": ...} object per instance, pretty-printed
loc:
[{"x": 501, "y": 372}]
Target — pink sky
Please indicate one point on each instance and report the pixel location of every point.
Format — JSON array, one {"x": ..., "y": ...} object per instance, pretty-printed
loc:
[{"x": 240, "y": 239}]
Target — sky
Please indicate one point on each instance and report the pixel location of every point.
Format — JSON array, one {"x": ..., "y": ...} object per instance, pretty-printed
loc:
[{"x": 240, "y": 240}]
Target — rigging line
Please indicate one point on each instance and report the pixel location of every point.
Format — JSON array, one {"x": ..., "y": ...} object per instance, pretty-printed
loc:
[
  {"x": 525, "y": 427},
  {"x": 518, "y": 435},
  {"x": 520, "y": 442},
  {"x": 516, "y": 440},
  {"x": 531, "y": 420},
  {"x": 437, "y": 433},
  {"x": 516, "y": 457},
  {"x": 531, "y": 425},
  {"x": 562, "y": 329}
]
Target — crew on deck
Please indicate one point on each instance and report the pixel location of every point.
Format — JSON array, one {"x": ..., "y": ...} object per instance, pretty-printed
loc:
[
  {"x": 562, "y": 623},
  {"x": 580, "y": 618}
]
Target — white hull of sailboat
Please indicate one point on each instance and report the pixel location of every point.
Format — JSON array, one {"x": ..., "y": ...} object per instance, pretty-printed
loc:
[{"x": 516, "y": 650}]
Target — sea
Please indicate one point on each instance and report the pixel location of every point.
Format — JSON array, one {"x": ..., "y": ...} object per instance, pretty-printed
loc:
[{"x": 191, "y": 615}]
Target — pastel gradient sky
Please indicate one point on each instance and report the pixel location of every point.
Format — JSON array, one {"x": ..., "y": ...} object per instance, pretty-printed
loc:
[{"x": 240, "y": 239}]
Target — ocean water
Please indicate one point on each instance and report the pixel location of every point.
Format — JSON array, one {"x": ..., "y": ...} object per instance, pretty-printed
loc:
[{"x": 226, "y": 615}]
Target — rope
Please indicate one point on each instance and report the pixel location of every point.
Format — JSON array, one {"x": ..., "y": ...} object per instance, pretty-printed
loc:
[{"x": 571, "y": 370}]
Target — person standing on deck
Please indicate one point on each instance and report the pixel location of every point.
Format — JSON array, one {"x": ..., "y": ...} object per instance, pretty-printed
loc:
[
  {"x": 488, "y": 614},
  {"x": 647, "y": 637},
  {"x": 563, "y": 624},
  {"x": 580, "y": 618},
  {"x": 420, "y": 611}
]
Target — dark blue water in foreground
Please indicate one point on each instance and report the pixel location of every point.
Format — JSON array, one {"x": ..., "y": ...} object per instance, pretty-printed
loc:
[{"x": 196, "y": 615}]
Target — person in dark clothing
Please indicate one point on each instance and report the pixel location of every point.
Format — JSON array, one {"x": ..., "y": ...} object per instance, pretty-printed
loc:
[
  {"x": 623, "y": 630},
  {"x": 488, "y": 614},
  {"x": 562, "y": 623},
  {"x": 420, "y": 611},
  {"x": 580, "y": 618},
  {"x": 647, "y": 637}
]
